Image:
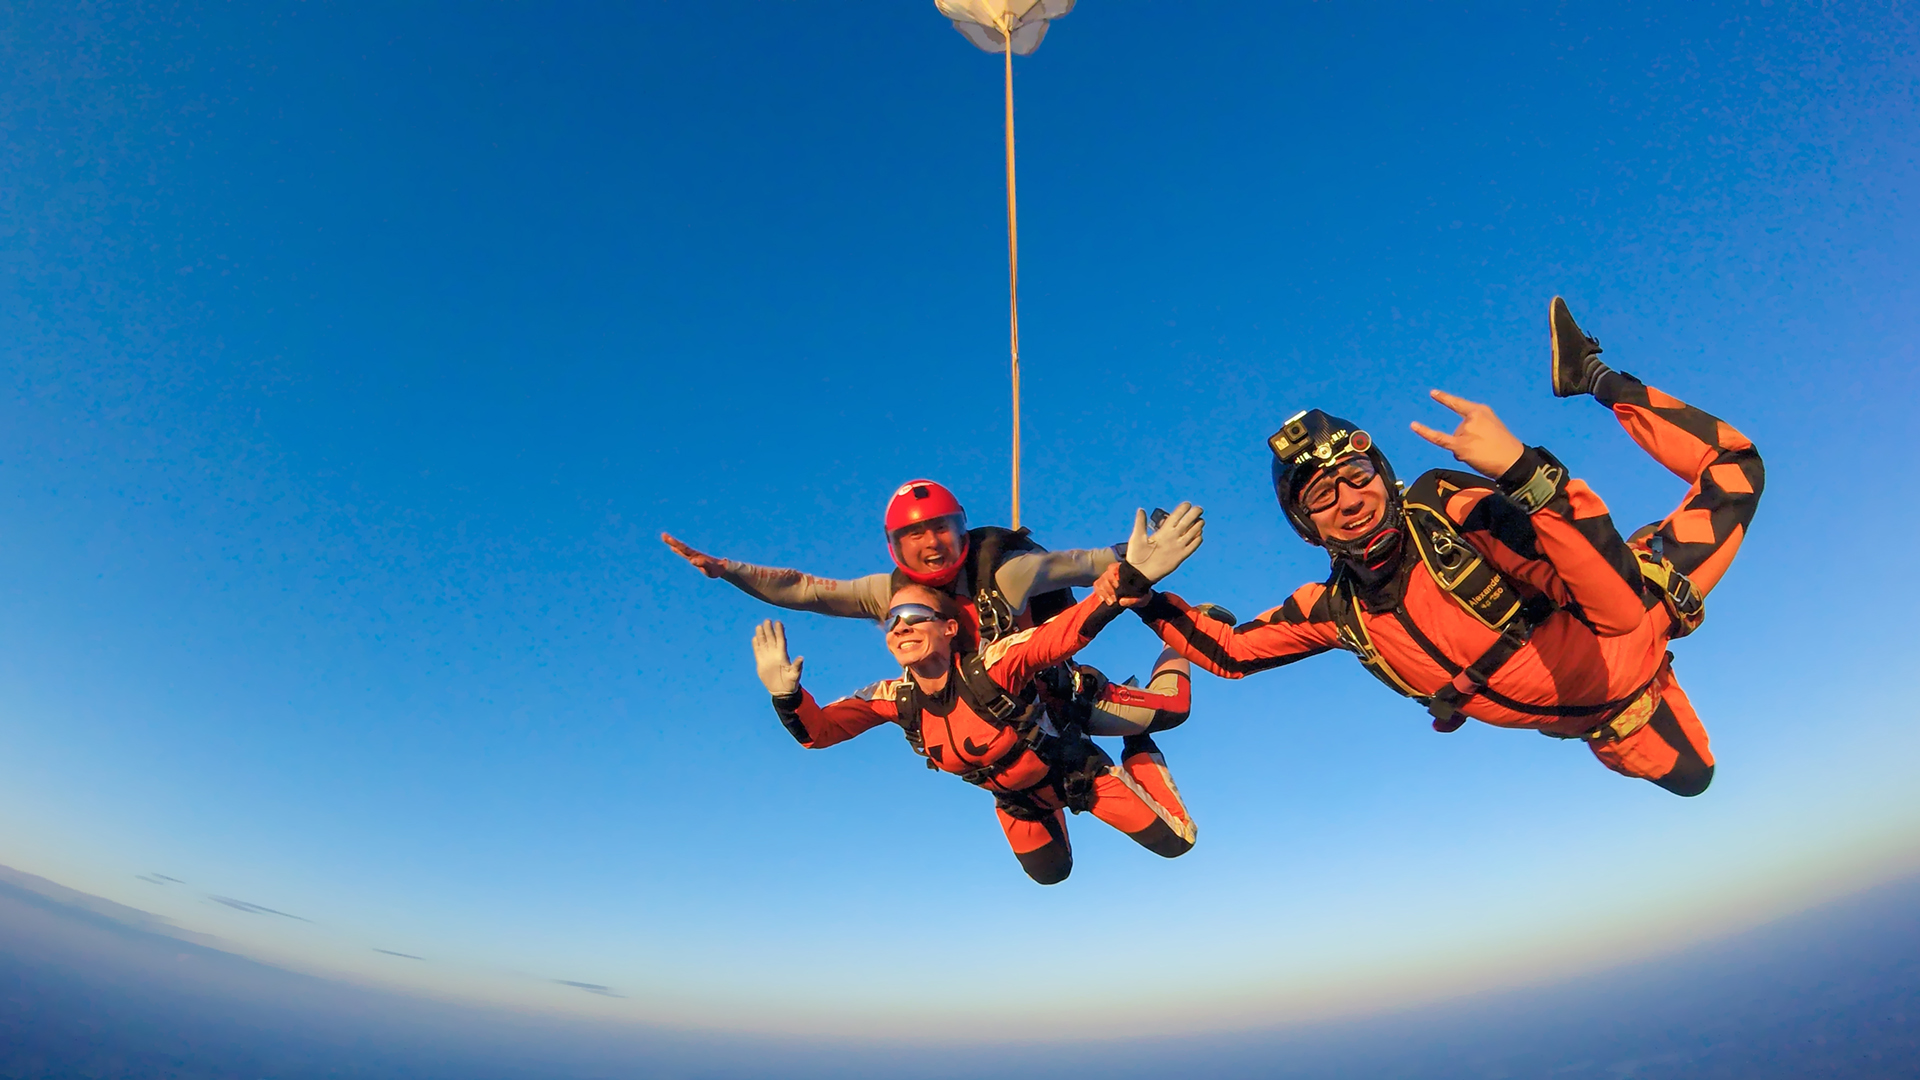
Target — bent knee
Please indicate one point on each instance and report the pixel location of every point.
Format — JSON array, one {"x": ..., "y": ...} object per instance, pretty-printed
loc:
[
  {"x": 1688, "y": 782},
  {"x": 1162, "y": 840},
  {"x": 1047, "y": 866},
  {"x": 1166, "y": 721}
]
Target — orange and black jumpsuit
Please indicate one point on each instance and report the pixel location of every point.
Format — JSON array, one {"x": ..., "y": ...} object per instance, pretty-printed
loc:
[
  {"x": 1602, "y": 650},
  {"x": 1033, "y": 780}
]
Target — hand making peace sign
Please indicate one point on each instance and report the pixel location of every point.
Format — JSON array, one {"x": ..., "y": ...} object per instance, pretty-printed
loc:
[{"x": 1481, "y": 441}]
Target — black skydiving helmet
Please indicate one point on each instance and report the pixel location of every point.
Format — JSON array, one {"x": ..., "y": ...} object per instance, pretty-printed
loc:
[{"x": 1311, "y": 441}]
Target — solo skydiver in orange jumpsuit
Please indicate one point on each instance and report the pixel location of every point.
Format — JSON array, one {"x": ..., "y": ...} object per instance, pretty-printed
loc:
[
  {"x": 1507, "y": 597},
  {"x": 976, "y": 713}
]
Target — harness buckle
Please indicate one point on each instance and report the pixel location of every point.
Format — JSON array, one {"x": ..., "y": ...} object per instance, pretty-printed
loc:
[
  {"x": 1004, "y": 708},
  {"x": 995, "y": 620},
  {"x": 1446, "y": 551}
]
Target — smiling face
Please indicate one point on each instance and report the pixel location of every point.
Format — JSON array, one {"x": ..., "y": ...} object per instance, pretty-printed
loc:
[
  {"x": 929, "y": 547},
  {"x": 1354, "y": 512},
  {"x": 928, "y": 642}
]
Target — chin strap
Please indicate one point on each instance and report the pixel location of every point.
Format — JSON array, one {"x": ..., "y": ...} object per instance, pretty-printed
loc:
[{"x": 1379, "y": 547}]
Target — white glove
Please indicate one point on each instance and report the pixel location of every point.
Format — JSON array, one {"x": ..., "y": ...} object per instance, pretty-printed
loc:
[
  {"x": 1162, "y": 552},
  {"x": 778, "y": 674}
]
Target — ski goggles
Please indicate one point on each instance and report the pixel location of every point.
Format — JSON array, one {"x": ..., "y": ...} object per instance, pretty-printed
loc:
[
  {"x": 1323, "y": 490},
  {"x": 908, "y": 615}
]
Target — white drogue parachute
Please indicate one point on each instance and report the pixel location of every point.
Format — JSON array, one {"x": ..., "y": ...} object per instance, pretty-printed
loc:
[
  {"x": 986, "y": 23},
  {"x": 1009, "y": 27}
]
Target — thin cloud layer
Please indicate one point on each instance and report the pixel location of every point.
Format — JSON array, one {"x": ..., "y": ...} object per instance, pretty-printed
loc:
[
  {"x": 253, "y": 909},
  {"x": 591, "y": 988}
]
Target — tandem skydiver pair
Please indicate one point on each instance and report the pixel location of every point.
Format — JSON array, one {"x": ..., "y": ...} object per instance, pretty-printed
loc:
[
  {"x": 984, "y": 625},
  {"x": 1507, "y": 597}
]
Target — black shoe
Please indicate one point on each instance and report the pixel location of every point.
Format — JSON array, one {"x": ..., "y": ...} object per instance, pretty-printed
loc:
[
  {"x": 1576, "y": 354},
  {"x": 1137, "y": 744},
  {"x": 1216, "y": 613}
]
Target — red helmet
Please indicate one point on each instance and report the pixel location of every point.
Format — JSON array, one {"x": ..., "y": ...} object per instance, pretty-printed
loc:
[{"x": 924, "y": 504}]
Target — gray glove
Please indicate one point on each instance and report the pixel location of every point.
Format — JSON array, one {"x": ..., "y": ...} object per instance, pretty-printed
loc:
[
  {"x": 778, "y": 674},
  {"x": 1160, "y": 553}
]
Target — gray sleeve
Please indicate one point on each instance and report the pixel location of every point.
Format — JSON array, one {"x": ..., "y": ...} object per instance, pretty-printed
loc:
[
  {"x": 1031, "y": 572},
  {"x": 860, "y": 598}
]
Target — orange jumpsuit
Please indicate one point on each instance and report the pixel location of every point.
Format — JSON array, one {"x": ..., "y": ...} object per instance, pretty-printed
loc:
[
  {"x": 1601, "y": 651},
  {"x": 1030, "y": 780}
]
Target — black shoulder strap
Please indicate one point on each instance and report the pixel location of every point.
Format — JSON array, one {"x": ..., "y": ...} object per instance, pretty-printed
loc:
[
  {"x": 989, "y": 545},
  {"x": 907, "y": 707},
  {"x": 988, "y": 698},
  {"x": 1460, "y": 569},
  {"x": 1354, "y": 637}
]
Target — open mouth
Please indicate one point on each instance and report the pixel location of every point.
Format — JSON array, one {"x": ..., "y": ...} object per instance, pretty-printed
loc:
[{"x": 1360, "y": 525}]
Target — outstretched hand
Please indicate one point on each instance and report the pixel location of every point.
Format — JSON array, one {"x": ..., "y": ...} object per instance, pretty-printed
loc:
[
  {"x": 778, "y": 674},
  {"x": 1481, "y": 441},
  {"x": 1158, "y": 554},
  {"x": 702, "y": 562}
]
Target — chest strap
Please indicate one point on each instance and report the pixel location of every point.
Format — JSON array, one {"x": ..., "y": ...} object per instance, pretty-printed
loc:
[
  {"x": 1475, "y": 584},
  {"x": 1445, "y": 703},
  {"x": 975, "y": 688}
]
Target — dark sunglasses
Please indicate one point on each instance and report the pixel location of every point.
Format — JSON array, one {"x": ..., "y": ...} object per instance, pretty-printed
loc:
[
  {"x": 1323, "y": 490},
  {"x": 910, "y": 615}
]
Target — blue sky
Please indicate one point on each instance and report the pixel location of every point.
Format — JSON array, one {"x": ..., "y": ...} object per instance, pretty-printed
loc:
[{"x": 356, "y": 358}]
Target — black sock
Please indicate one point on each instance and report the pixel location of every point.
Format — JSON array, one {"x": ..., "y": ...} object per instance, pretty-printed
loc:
[{"x": 1611, "y": 385}]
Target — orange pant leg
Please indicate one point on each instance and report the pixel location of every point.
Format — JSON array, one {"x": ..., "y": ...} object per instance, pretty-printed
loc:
[
  {"x": 1139, "y": 799},
  {"x": 1670, "y": 750},
  {"x": 1147, "y": 767},
  {"x": 1703, "y": 533},
  {"x": 1041, "y": 846}
]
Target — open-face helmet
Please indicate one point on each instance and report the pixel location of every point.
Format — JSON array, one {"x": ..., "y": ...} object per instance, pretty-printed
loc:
[
  {"x": 1313, "y": 440},
  {"x": 923, "y": 504}
]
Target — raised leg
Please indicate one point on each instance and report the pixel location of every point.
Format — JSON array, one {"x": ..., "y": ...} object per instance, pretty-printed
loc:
[{"x": 1702, "y": 535}]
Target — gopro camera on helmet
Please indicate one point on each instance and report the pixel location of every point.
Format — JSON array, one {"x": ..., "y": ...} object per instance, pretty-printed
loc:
[{"x": 1293, "y": 440}]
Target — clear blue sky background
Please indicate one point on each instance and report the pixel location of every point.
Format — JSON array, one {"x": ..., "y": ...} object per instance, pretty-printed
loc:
[{"x": 356, "y": 357}]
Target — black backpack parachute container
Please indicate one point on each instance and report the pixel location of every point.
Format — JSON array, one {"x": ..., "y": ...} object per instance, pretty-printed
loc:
[
  {"x": 987, "y": 547},
  {"x": 991, "y": 546}
]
